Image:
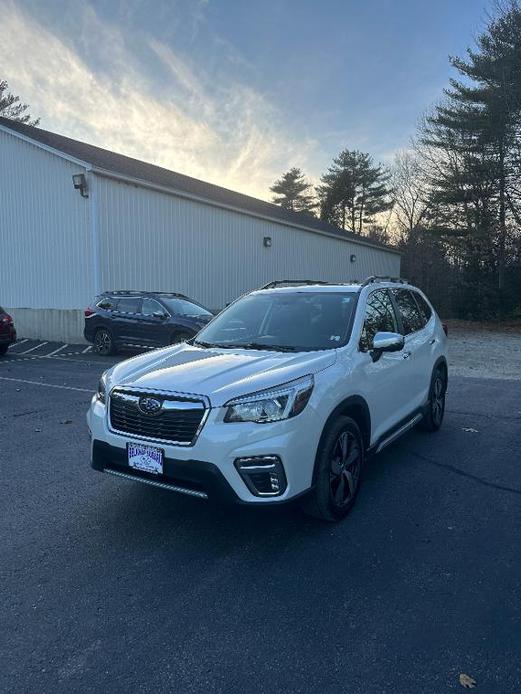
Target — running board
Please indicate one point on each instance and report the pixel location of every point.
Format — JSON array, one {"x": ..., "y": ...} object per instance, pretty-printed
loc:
[
  {"x": 161, "y": 485},
  {"x": 408, "y": 425}
]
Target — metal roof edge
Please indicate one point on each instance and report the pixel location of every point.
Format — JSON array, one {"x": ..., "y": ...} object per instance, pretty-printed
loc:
[{"x": 41, "y": 145}]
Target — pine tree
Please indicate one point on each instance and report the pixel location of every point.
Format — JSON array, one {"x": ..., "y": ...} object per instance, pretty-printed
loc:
[
  {"x": 292, "y": 192},
  {"x": 477, "y": 133},
  {"x": 353, "y": 191},
  {"x": 11, "y": 106}
]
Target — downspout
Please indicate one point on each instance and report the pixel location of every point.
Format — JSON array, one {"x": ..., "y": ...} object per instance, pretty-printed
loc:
[{"x": 94, "y": 231}]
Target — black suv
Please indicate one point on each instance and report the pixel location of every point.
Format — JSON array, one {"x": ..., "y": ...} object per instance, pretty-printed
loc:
[{"x": 142, "y": 319}]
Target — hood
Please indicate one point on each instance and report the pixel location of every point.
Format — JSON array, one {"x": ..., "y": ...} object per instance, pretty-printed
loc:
[{"x": 219, "y": 374}]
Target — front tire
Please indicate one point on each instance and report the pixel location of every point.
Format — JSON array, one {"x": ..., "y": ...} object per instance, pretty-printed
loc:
[
  {"x": 339, "y": 464},
  {"x": 104, "y": 343},
  {"x": 433, "y": 417},
  {"x": 3, "y": 350}
]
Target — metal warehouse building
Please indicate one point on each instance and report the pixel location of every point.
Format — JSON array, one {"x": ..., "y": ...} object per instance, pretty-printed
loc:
[{"x": 131, "y": 225}]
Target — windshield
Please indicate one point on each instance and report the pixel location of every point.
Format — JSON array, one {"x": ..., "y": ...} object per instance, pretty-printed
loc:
[
  {"x": 289, "y": 321},
  {"x": 183, "y": 307}
]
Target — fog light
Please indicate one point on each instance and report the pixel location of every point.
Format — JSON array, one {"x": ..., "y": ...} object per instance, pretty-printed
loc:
[{"x": 263, "y": 475}]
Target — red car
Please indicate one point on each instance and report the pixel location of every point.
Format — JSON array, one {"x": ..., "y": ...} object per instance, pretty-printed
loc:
[{"x": 7, "y": 331}]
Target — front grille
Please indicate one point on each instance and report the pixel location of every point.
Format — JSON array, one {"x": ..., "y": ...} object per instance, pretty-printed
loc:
[{"x": 178, "y": 420}]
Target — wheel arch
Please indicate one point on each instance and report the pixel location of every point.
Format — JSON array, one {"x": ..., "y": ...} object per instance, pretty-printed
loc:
[
  {"x": 355, "y": 407},
  {"x": 441, "y": 362}
]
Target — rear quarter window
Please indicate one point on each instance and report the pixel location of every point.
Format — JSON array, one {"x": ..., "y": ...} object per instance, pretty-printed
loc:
[
  {"x": 107, "y": 304},
  {"x": 412, "y": 319},
  {"x": 424, "y": 307}
]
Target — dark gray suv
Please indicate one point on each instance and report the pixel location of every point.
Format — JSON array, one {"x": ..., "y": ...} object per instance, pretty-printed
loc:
[{"x": 142, "y": 319}]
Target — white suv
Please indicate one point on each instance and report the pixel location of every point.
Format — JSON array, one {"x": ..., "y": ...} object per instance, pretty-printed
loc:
[{"x": 282, "y": 395}]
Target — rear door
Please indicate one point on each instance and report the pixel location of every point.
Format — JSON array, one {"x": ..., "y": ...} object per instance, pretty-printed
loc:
[
  {"x": 418, "y": 331},
  {"x": 125, "y": 322}
]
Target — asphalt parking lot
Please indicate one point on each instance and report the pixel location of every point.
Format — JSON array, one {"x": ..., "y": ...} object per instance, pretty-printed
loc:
[{"x": 110, "y": 586}]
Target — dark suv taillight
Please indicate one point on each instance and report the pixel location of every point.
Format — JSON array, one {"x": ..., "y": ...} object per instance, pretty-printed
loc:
[
  {"x": 89, "y": 312},
  {"x": 263, "y": 475},
  {"x": 6, "y": 318}
]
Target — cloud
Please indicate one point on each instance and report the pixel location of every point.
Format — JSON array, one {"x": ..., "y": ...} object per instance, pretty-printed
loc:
[{"x": 98, "y": 90}]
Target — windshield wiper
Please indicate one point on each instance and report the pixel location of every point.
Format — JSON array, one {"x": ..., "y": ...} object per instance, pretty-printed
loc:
[
  {"x": 200, "y": 343},
  {"x": 256, "y": 345}
]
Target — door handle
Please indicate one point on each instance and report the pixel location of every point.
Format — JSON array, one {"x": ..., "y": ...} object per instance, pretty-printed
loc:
[
  {"x": 406, "y": 355},
  {"x": 432, "y": 341}
]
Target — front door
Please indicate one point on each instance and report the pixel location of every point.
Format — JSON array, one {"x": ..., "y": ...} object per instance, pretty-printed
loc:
[
  {"x": 154, "y": 329},
  {"x": 386, "y": 382}
]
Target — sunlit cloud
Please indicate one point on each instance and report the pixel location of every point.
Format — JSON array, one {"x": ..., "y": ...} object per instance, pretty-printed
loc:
[{"x": 227, "y": 134}]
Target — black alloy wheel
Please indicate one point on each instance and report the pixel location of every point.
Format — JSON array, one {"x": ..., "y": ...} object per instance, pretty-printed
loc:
[
  {"x": 338, "y": 471},
  {"x": 103, "y": 343},
  {"x": 433, "y": 416}
]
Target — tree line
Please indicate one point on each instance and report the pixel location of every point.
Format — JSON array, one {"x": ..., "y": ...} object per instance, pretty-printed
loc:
[{"x": 452, "y": 202}]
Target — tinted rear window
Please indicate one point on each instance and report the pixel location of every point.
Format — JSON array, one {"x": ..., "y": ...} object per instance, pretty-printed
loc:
[
  {"x": 106, "y": 303},
  {"x": 411, "y": 317},
  {"x": 424, "y": 307},
  {"x": 129, "y": 305}
]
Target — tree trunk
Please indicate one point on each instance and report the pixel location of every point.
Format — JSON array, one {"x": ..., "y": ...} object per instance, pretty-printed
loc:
[{"x": 502, "y": 230}]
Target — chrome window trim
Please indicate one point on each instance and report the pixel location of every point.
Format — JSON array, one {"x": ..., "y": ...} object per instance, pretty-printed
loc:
[{"x": 191, "y": 397}]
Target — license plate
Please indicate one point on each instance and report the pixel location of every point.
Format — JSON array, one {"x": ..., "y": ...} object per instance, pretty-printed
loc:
[{"x": 145, "y": 458}]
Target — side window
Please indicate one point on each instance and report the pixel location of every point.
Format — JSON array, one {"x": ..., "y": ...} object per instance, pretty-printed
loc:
[
  {"x": 107, "y": 303},
  {"x": 151, "y": 306},
  {"x": 424, "y": 307},
  {"x": 129, "y": 305},
  {"x": 411, "y": 317},
  {"x": 379, "y": 317}
]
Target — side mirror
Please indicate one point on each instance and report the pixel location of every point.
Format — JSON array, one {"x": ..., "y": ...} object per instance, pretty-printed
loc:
[
  {"x": 159, "y": 314},
  {"x": 386, "y": 342}
]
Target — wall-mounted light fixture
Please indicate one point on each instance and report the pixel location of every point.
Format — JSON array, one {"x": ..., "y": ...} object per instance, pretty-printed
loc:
[
  {"x": 352, "y": 257},
  {"x": 80, "y": 183},
  {"x": 267, "y": 241}
]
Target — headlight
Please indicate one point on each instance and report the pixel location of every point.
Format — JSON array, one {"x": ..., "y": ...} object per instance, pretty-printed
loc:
[
  {"x": 283, "y": 402},
  {"x": 102, "y": 388}
]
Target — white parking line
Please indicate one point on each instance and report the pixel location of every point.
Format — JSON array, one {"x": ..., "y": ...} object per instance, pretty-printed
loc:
[
  {"x": 20, "y": 342},
  {"x": 40, "y": 344},
  {"x": 56, "y": 350},
  {"x": 87, "y": 349},
  {"x": 47, "y": 385}
]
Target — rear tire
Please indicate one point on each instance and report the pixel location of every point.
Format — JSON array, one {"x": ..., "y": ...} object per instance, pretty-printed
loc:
[
  {"x": 339, "y": 465},
  {"x": 435, "y": 409},
  {"x": 3, "y": 350},
  {"x": 104, "y": 343}
]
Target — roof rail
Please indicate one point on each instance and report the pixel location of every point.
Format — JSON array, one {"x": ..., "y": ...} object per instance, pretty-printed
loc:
[
  {"x": 383, "y": 278},
  {"x": 282, "y": 283},
  {"x": 137, "y": 292}
]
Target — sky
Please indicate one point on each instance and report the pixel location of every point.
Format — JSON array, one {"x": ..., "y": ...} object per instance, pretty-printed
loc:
[{"x": 235, "y": 91}]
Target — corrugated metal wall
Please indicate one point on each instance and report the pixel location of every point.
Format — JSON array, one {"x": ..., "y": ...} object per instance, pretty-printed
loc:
[
  {"x": 155, "y": 241},
  {"x": 147, "y": 240},
  {"x": 44, "y": 230}
]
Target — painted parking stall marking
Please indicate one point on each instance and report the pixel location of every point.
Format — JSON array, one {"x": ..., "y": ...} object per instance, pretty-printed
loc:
[{"x": 45, "y": 385}]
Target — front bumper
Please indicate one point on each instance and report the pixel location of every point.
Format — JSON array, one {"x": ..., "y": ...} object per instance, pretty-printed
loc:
[
  {"x": 192, "y": 477},
  {"x": 209, "y": 467}
]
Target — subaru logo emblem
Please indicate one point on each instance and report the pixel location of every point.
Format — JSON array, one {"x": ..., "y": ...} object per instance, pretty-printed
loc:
[{"x": 149, "y": 405}]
